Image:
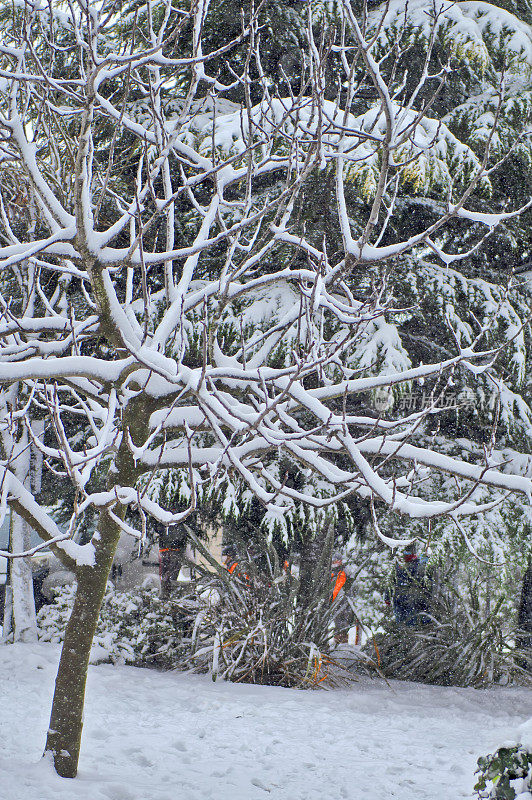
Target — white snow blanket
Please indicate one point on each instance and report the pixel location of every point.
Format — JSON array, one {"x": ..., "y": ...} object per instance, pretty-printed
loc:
[{"x": 168, "y": 736}]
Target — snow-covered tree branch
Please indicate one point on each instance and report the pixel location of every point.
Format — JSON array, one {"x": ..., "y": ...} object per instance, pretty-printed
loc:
[{"x": 155, "y": 198}]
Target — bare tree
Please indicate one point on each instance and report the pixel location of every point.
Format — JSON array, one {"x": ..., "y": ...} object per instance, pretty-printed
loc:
[{"x": 182, "y": 318}]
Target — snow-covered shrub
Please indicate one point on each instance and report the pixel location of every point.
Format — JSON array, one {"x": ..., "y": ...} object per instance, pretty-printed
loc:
[
  {"x": 447, "y": 653},
  {"x": 243, "y": 629},
  {"x": 53, "y": 618},
  {"x": 507, "y": 773},
  {"x": 464, "y": 643},
  {"x": 257, "y": 633},
  {"x": 135, "y": 627}
]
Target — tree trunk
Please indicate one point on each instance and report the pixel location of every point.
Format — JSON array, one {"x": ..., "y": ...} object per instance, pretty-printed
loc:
[
  {"x": 524, "y": 618},
  {"x": 24, "y": 621},
  {"x": 66, "y": 720},
  {"x": 21, "y": 578},
  {"x": 8, "y": 613}
]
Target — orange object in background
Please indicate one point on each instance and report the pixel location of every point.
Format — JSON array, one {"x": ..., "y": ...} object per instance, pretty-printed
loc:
[{"x": 339, "y": 583}]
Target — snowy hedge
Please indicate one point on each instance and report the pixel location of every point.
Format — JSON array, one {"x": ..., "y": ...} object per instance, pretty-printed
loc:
[{"x": 135, "y": 627}]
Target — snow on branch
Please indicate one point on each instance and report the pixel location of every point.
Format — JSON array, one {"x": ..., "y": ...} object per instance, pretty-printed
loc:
[
  {"x": 21, "y": 500},
  {"x": 168, "y": 299}
]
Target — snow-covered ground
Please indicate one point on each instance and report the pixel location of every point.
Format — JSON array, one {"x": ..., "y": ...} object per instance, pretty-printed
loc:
[{"x": 166, "y": 736}]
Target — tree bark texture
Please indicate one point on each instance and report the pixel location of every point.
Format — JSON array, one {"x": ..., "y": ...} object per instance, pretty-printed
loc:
[
  {"x": 524, "y": 617},
  {"x": 66, "y": 720},
  {"x": 21, "y": 575},
  {"x": 24, "y": 618}
]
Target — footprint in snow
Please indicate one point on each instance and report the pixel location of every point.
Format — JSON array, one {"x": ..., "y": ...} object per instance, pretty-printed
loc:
[
  {"x": 260, "y": 785},
  {"x": 116, "y": 791},
  {"x": 177, "y": 744}
]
